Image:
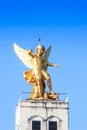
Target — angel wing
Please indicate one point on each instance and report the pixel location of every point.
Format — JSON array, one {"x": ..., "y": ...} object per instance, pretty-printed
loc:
[
  {"x": 23, "y": 56},
  {"x": 47, "y": 53}
]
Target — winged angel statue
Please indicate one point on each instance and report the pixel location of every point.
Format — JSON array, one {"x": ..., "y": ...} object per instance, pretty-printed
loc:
[{"x": 37, "y": 75}]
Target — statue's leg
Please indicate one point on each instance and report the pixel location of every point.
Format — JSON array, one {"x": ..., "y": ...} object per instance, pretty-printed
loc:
[
  {"x": 39, "y": 87},
  {"x": 49, "y": 83},
  {"x": 48, "y": 79}
]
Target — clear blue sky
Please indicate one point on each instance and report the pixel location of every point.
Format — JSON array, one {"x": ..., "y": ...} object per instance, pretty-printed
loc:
[{"x": 63, "y": 24}]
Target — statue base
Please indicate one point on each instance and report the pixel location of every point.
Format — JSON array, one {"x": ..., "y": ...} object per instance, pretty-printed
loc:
[{"x": 44, "y": 96}]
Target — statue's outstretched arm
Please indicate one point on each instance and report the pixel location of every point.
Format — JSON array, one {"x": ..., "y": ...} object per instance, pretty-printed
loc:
[{"x": 51, "y": 64}]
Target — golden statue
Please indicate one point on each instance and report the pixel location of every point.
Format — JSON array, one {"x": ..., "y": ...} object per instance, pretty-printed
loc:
[{"x": 38, "y": 63}]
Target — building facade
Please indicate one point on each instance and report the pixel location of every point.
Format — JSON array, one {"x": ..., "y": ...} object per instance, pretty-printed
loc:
[{"x": 42, "y": 115}]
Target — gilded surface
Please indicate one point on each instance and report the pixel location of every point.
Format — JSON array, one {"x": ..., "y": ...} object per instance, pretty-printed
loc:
[{"x": 38, "y": 74}]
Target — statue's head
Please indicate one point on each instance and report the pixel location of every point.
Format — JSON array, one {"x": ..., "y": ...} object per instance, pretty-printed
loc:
[{"x": 40, "y": 50}]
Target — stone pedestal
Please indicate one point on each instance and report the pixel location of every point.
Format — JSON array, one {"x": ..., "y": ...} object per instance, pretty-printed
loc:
[{"x": 43, "y": 112}]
